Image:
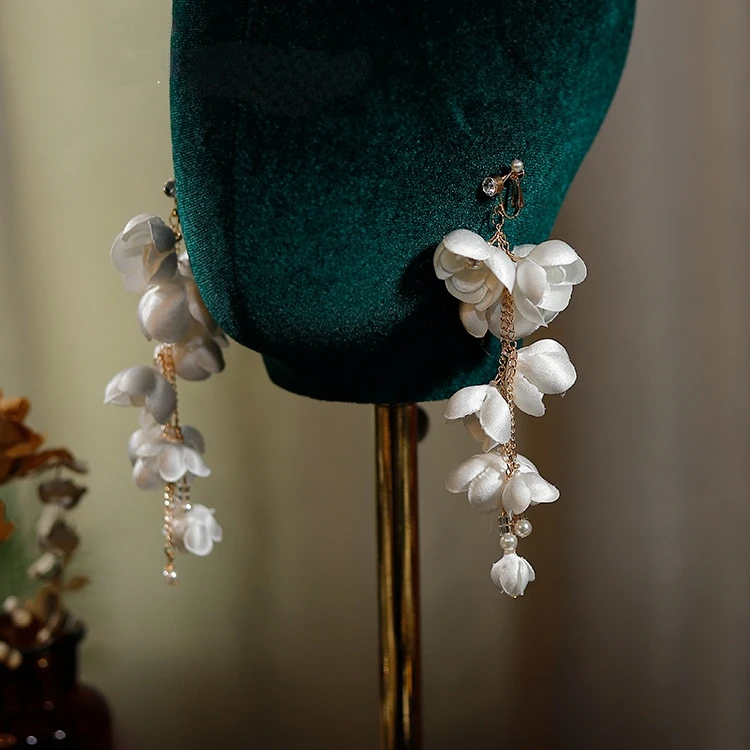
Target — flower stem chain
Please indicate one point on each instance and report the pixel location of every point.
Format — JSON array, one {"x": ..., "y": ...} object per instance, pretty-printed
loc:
[
  {"x": 172, "y": 431},
  {"x": 170, "y": 501},
  {"x": 505, "y": 378},
  {"x": 492, "y": 283}
]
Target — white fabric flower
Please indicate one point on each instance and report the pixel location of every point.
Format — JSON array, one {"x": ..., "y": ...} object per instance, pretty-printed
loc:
[
  {"x": 484, "y": 478},
  {"x": 545, "y": 277},
  {"x": 512, "y": 574},
  {"x": 158, "y": 459},
  {"x": 197, "y": 530},
  {"x": 144, "y": 253},
  {"x": 484, "y": 412},
  {"x": 474, "y": 272},
  {"x": 142, "y": 386},
  {"x": 200, "y": 355},
  {"x": 168, "y": 312},
  {"x": 527, "y": 488},
  {"x": 543, "y": 367}
]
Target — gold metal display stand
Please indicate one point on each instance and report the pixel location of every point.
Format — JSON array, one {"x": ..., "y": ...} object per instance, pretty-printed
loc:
[{"x": 398, "y": 577}]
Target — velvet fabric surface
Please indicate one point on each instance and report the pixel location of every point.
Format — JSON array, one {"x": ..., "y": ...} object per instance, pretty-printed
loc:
[{"x": 323, "y": 148}]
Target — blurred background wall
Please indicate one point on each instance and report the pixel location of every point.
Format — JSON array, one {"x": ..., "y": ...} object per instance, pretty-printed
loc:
[{"x": 637, "y": 632}]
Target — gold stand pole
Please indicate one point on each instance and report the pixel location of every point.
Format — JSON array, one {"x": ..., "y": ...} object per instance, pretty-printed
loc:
[{"x": 398, "y": 577}]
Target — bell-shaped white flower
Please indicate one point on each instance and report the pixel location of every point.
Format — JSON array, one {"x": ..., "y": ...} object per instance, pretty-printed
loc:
[
  {"x": 512, "y": 574},
  {"x": 484, "y": 412},
  {"x": 200, "y": 355},
  {"x": 168, "y": 312},
  {"x": 151, "y": 431},
  {"x": 526, "y": 487},
  {"x": 142, "y": 386},
  {"x": 543, "y": 367},
  {"x": 545, "y": 277},
  {"x": 144, "y": 253},
  {"x": 159, "y": 459},
  {"x": 197, "y": 530},
  {"x": 474, "y": 272},
  {"x": 485, "y": 479}
]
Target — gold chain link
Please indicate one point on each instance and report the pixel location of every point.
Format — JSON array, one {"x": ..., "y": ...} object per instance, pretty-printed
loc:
[{"x": 172, "y": 431}]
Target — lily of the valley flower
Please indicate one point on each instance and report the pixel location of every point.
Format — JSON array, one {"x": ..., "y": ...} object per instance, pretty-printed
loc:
[
  {"x": 142, "y": 386},
  {"x": 543, "y": 367},
  {"x": 200, "y": 355},
  {"x": 512, "y": 574},
  {"x": 485, "y": 480},
  {"x": 474, "y": 271},
  {"x": 544, "y": 281},
  {"x": 144, "y": 253},
  {"x": 197, "y": 530},
  {"x": 484, "y": 412},
  {"x": 158, "y": 459},
  {"x": 168, "y": 312},
  {"x": 527, "y": 488}
]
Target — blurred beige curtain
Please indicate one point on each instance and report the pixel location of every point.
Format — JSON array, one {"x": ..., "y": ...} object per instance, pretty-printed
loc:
[{"x": 637, "y": 631}]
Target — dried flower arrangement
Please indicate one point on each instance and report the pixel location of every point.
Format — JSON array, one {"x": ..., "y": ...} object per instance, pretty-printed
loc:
[{"x": 35, "y": 622}]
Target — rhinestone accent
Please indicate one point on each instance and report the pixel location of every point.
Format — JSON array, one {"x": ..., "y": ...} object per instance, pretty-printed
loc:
[{"x": 489, "y": 186}]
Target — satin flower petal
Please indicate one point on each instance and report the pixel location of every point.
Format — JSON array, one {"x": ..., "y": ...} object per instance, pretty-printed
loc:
[
  {"x": 547, "y": 366},
  {"x": 553, "y": 253},
  {"x": 141, "y": 385},
  {"x": 531, "y": 280},
  {"x": 503, "y": 268},
  {"x": 494, "y": 416},
  {"x": 145, "y": 477},
  {"x": 171, "y": 462},
  {"x": 512, "y": 574},
  {"x": 164, "y": 312},
  {"x": 527, "y": 397},
  {"x": 197, "y": 531},
  {"x": 557, "y": 298},
  {"x": 485, "y": 491},
  {"x": 462, "y": 476},
  {"x": 144, "y": 252},
  {"x": 466, "y": 401},
  {"x": 474, "y": 320},
  {"x": 467, "y": 244}
]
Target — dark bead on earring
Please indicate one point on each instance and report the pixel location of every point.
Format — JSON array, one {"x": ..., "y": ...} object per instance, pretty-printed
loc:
[{"x": 170, "y": 188}]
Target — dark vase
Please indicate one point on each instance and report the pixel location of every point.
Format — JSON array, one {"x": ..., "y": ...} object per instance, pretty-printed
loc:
[{"x": 43, "y": 706}]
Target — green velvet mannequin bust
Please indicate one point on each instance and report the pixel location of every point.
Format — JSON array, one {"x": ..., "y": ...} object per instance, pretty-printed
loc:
[{"x": 323, "y": 148}]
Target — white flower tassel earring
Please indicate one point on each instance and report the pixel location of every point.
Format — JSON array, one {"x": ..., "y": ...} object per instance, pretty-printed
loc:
[
  {"x": 165, "y": 453},
  {"x": 511, "y": 294}
]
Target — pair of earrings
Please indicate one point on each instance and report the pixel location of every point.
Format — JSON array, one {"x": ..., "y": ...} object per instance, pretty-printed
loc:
[
  {"x": 165, "y": 453},
  {"x": 509, "y": 293}
]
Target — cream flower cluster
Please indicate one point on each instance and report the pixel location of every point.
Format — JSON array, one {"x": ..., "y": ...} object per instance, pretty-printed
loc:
[
  {"x": 540, "y": 280},
  {"x": 164, "y": 452}
]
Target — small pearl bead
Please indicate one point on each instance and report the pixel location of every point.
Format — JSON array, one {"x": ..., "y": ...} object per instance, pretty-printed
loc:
[
  {"x": 509, "y": 542},
  {"x": 516, "y": 166},
  {"x": 522, "y": 527}
]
